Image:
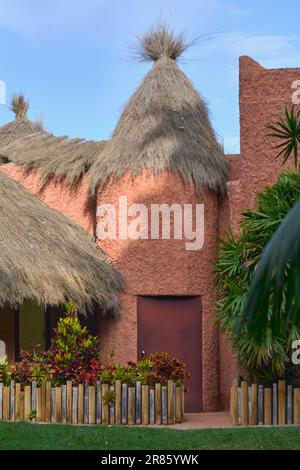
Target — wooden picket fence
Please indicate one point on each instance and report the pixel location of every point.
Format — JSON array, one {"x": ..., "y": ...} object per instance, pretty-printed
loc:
[
  {"x": 253, "y": 405},
  {"x": 86, "y": 404}
]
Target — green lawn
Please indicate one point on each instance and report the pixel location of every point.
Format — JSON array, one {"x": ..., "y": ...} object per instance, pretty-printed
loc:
[{"x": 50, "y": 437}]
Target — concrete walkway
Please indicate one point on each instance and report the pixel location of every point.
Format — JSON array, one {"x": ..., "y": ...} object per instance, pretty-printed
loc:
[{"x": 220, "y": 419}]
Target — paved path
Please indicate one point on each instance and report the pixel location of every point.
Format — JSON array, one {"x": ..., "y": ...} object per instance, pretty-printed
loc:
[{"x": 220, "y": 419}]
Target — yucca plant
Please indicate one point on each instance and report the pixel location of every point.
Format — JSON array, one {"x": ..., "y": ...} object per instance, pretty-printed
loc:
[{"x": 287, "y": 130}]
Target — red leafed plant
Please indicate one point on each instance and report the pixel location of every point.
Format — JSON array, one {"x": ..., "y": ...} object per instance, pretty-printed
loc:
[
  {"x": 72, "y": 349},
  {"x": 164, "y": 368}
]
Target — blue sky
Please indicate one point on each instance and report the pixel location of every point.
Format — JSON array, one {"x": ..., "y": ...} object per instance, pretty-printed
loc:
[{"x": 71, "y": 58}]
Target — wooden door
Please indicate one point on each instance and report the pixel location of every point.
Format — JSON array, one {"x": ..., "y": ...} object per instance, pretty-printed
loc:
[{"x": 174, "y": 325}]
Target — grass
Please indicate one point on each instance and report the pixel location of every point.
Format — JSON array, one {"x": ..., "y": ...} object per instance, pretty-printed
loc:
[{"x": 25, "y": 436}]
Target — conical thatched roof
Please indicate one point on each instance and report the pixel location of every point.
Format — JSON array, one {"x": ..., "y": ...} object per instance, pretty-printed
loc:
[
  {"x": 28, "y": 145},
  {"x": 21, "y": 126},
  {"x": 48, "y": 258},
  {"x": 165, "y": 125}
]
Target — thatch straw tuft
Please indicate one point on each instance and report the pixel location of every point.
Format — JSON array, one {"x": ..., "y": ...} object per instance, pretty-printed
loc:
[
  {"x": 48, "y": 258},
  {"x": 158, "y": 42},
  {"x": 20, "y": 127},
  {"x": 19, "y": 106},
  {"x": 165, "y": 126}
]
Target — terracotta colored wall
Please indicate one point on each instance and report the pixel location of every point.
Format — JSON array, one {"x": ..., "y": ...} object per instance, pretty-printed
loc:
[
  {"x": 263, "y": 96},
  {"x": 72, "y": 202},
  {"x": 164, "y": 267}
]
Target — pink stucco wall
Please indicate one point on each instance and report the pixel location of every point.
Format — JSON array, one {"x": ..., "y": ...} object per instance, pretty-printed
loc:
[
  {"x": 72, "y": 202},
  {"x": 263, "y": 94},
  {"x": 164, "y": 267}
]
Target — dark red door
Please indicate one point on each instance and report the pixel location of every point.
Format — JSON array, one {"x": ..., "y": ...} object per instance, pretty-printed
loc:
[{"x": 173, "y": 324}]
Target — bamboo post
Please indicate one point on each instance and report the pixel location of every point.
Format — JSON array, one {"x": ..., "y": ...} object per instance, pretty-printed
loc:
[
  {"x": 260, "y": 402},
  {"x": 17, "y": 394},
  {"x": 170, "y": 402},
  {"x": 75, "y": 405},
  {"x": 244, "y": 403},
  {"x": 164, "y": 405},
  {"x": 289, "y": 405},
  {"x": 105, "y": 407},
  {"x": 69, "y": 401},
  {"x": 118, "y": 403},
  {"x": 38, "y": 404},
  {"x": 43, "y": 402},
  {"x": 182, "y": 402},
  {"x": 138, "y": 403},
  {"x": 98, "y": 403},
  {"x": 53, "y": 406},
  {"x": 158, "y": 403},
  {"x": 58, "y": 404},
  {"x": 234, "y": 405},
  {"x": 178, "y": 405},
  {"x": 268, "y": 406},
  {"x": 112, "y": 406},
  {"x": 33, "y": 396},
  {"x": 92, "y": 404},
  {"x": 64, "y": 404},
  {"x": 281, "y": 402},
  {"x": 22, "y": 406},
  {"x": 124, "y": 404},
  {"x": 254, "y": 405},
  {"x": 152, "y": 406},
  {"x": 86, "y": 404},
  {"x": 145, "y": 404},
  {"x": 48, "y": 402},
  {"x": 12, "y": 400},
  {"x": 80, "y": 404},
  {"x": 27, "y": 401},
  {"x": 131, "y": 406},
  {"x": 296, "y": 405},
  {"x": 6, "y": 393},
  {"x": 275, "y": 404}
]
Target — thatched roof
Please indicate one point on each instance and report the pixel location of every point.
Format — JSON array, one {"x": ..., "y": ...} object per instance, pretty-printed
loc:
[
  {"x": 59, "y": 157},
  {"x": 28, "y": 145},
  {"x": 165, "y": 125},
  {"x": 48, "y": 258},
  {"x": 21, "y": 125}
]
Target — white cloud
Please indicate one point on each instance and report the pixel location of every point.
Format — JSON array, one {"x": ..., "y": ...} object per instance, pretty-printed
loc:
[{"x": 270, "y": 50}]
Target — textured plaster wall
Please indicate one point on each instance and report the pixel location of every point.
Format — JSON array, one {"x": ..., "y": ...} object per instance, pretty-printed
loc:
[
  {"x": 72, "y": 202},
  {"x": 263, "y": 96},
  {"x": 164, "y": 267}
]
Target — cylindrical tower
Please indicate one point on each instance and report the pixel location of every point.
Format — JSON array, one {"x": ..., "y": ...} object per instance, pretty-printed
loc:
[{"x": 163, "y": 159}]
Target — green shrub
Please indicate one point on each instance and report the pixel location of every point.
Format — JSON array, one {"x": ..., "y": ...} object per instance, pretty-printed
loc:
[{"x": 235, "y": 266}]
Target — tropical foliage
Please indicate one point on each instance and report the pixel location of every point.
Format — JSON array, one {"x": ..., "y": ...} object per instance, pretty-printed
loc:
[{"x": 236, "y": 265}]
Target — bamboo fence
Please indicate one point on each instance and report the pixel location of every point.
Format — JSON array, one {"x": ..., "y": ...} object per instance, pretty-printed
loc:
[
  {"x": 93, "y": 404},
  {"x": 277, "y": 404}
]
